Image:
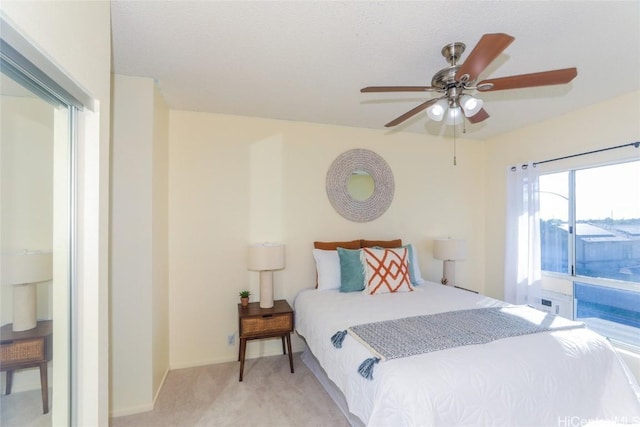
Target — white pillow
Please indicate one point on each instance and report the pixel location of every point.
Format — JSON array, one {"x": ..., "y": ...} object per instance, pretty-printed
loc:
[{"x": 328, "y": 269}]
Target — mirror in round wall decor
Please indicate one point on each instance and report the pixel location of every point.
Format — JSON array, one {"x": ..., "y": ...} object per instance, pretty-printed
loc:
[{"x": 360, "y": 185}]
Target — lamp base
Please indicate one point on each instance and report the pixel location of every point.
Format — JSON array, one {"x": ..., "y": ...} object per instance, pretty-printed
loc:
[
  {"x": 266, "y": 289},
  {"x": 25, "y": 307},
  {"x": 448, "y": 273}
]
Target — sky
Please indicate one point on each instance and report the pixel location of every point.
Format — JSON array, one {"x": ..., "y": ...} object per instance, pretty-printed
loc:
[{"x": 611, "y": 191}]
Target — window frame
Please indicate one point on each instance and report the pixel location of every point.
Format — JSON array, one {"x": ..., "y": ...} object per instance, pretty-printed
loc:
[{"x": 571, "y": 273}]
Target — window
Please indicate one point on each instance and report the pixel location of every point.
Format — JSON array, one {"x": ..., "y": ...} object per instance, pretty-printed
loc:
[
  {"x": 590, "y": 230},
  {"x": 608, "y": 221},
  {"x": 554, "y": 222}
]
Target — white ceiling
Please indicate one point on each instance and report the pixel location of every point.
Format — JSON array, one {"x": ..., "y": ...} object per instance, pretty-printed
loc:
[{"x": 307, "y": 60}]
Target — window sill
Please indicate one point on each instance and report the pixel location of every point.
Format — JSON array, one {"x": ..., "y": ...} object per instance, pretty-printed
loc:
[{"x": 623, "y": 336}]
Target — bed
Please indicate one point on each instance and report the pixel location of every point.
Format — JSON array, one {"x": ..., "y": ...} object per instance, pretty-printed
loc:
[{"x": 561, "y": 377}]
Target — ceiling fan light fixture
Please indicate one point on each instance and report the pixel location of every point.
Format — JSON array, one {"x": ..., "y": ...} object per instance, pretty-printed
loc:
[
  {"x": 454, "y": 116},
  {"x": 470, "y": 105},
  {"x": 436, "y": 111}
]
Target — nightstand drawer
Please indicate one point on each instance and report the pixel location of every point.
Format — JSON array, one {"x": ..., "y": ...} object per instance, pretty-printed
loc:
[
  {"x": 22, "y": 351},
  {"x": 266, "y": 323}
]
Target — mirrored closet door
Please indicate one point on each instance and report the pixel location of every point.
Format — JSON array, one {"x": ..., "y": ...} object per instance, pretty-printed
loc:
[{"x": 35, "y": 249}]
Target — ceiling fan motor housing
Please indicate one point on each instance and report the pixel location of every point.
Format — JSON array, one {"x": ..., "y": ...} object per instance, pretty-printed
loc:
[{"x": 445, "y": 78}]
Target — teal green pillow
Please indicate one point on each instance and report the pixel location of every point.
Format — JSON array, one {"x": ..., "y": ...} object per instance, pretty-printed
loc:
[
  {"x": 351, "y": 270},
  {"x": 412, "y": 265}
]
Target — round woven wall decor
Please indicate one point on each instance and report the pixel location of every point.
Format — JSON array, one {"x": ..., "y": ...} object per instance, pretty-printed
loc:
[{"x": 338, "y": 175}]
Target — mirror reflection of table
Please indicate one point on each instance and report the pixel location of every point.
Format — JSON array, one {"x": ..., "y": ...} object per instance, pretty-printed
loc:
[{"x": 27, "y": 349}]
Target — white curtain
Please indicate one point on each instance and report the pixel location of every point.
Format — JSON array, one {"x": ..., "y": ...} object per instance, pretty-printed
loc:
[{"x": 522, "y": 246}]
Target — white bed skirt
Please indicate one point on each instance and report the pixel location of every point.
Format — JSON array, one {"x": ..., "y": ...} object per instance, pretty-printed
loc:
[{"x": 312, "y": 363}]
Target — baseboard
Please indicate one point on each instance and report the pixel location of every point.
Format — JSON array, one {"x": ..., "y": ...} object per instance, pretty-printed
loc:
[
  {"x": 164, "y": 377},
  {"x": 142, "y": 408},
  {"x": 204, "y": 362},
  {"x": 274, "y": 350},
  {"x": 131, "y": 410}
]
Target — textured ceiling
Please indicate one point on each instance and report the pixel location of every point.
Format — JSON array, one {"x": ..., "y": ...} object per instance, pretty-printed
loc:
[{"x": 307, "y": 60}]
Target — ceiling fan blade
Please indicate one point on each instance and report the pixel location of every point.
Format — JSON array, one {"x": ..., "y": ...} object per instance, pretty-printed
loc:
[
  {"x": 411, "y": 113},
  {"x": 483, "y": 54},
  {"x": 479, "y": 116},
  {"x": 544, "y": 78},
  {"x": 397, "y": 89}
]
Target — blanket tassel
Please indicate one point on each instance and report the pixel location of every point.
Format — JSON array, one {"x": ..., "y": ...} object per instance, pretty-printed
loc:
[
  {"x": 366, "y": 368},
  {"x": 338, "y": 338}
]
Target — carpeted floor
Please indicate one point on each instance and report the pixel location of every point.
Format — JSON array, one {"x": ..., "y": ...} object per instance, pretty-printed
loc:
[
  {"x": 269, "y": 395},
  {"x": 24, "y": 409}
]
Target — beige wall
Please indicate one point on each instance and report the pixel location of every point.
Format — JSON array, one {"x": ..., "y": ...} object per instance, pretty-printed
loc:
[
  {"x": 160, "y": 236},
  {"x": 610, "y": 123},
  {"x": 139, "y": 282},
  {"x": 76, "y": 35},
  {"x": 227, "y": 174},
  {"x": 236, "y": 180},
  {"x": 26, "y": 144}
]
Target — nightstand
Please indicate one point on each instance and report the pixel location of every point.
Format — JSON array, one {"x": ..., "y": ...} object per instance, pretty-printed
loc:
[
  {"x": 259, "y": 323},
  {"x": 27, "y": 349}
]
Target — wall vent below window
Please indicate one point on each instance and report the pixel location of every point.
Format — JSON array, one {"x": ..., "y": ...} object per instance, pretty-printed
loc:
[{"x": 555, "y": 303}]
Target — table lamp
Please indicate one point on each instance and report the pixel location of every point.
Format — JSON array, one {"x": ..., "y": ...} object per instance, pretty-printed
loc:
[
  {"x": 265, "y": 258},
  {"x": 449, "y": 250},
  {"x": 24, "y": 270}
]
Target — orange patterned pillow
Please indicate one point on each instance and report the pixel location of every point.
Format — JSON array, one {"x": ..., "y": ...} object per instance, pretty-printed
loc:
[{"x": 386, "y": 270}]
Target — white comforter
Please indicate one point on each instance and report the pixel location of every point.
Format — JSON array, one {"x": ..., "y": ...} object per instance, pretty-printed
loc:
[{"x": 561, "y": 378}]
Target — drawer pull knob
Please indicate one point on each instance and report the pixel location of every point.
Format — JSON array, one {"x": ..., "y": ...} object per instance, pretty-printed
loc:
[{"x": 267, "y": 315}]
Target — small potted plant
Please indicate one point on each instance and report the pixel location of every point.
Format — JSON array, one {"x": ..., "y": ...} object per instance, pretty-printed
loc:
[{"x": 244, "y": 298}]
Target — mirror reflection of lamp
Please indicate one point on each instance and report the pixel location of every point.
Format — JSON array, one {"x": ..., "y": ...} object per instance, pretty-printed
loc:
[
  {"x": 449, "y": 251},
  {"x": 265, "y": 258},
  {"x": 23, "y": 271}
]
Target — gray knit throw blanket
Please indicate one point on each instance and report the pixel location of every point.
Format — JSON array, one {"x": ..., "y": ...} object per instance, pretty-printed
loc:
[{"x": 409, "y": 336}]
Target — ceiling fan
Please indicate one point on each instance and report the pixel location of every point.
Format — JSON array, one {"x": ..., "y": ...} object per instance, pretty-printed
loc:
[{"x": 456, "y": 80}]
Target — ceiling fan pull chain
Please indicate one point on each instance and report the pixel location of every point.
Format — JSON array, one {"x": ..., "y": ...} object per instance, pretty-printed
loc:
[{"x": 454, "y": 145}]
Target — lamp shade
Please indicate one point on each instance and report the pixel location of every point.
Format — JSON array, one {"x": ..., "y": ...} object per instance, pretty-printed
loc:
[
  {"x": 449, "y": 249},
  {"x": 24, "y": 270},
  {"x": 266, "y": 256},
  {"x": 26, "y": 267},
  {"x": 470, "y": 105},
  {"x": 453, "y": 116},
  {"x": 437, "y": 110}
]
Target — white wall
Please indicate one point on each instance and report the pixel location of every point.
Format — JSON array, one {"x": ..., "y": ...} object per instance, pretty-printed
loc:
[
  {"x": 139, "y": 282},
  {"x": 236, "y": 180},
  {"x": 77, "y": 36}
]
